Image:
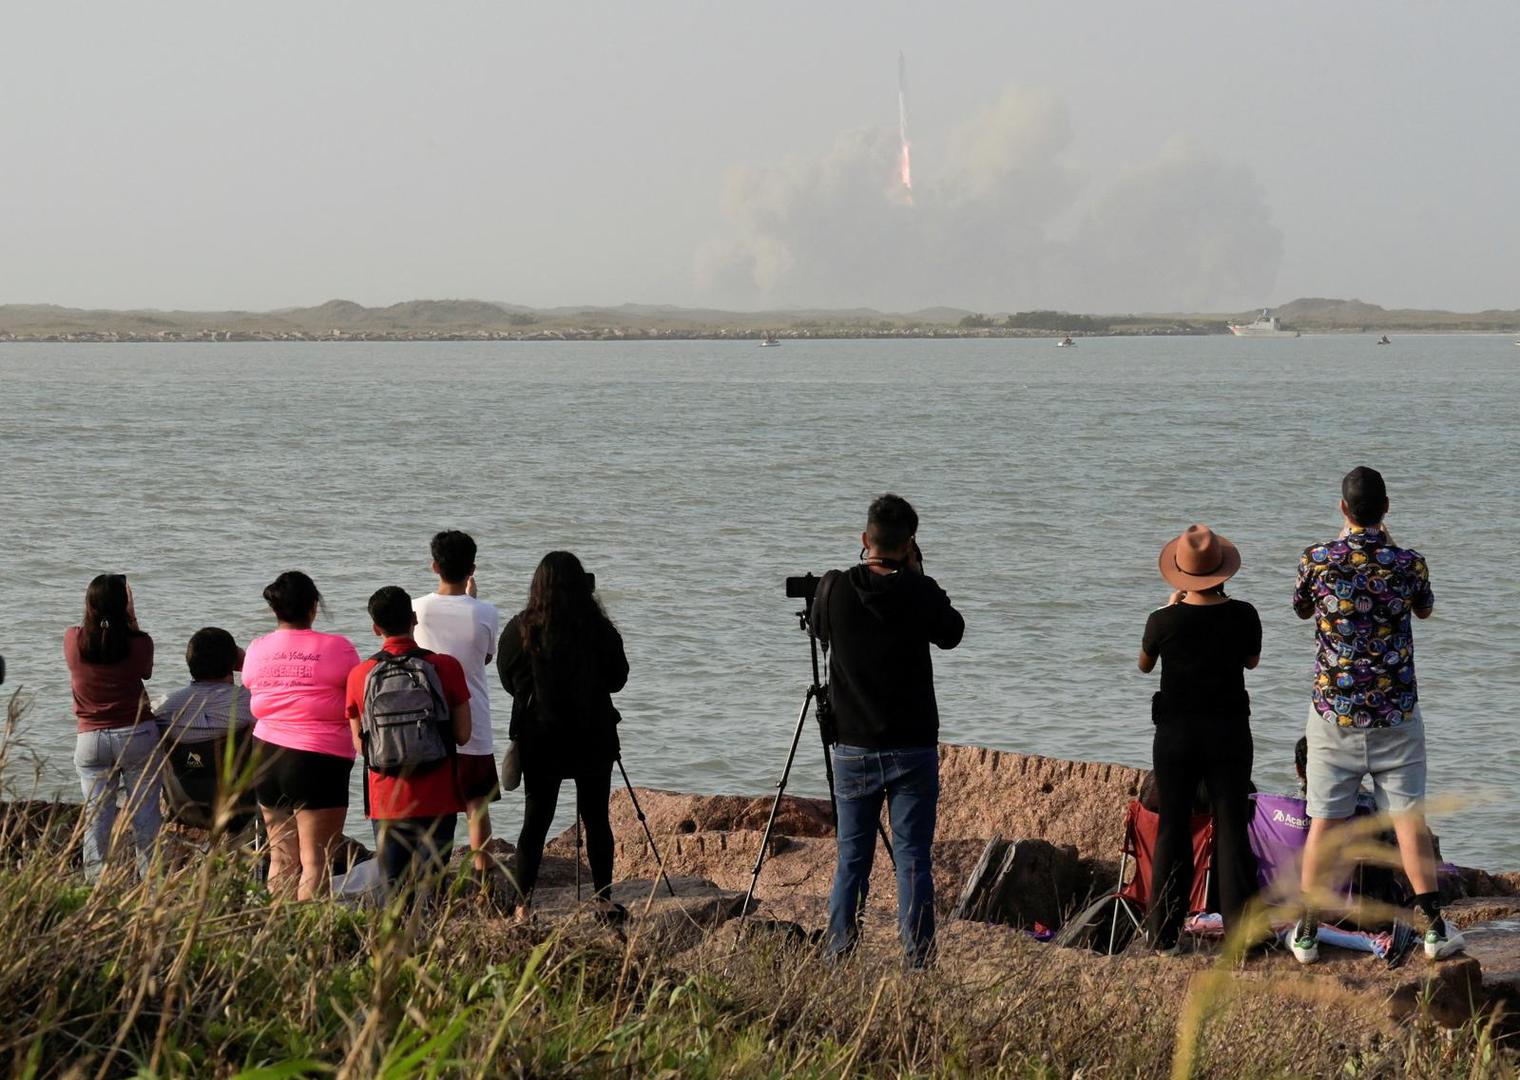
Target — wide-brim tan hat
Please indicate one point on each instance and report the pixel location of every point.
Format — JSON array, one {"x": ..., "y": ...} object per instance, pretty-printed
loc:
[{"x": 1198, "y": 559}]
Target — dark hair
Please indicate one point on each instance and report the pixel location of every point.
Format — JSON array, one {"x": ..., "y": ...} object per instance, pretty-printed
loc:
[
  {"x": 1301, "y": 755},
  {"x": 212, "y": 654},
  {"x": 1365, "y": 494},
  {"x": 105, "y": 630},
  {"x": 291, "y": 596},
  {"x": 561, "y": 609},
  {"x": 891, "y": 523},
  {"x": 454, "y": 552},
  {"x": 391, "y": 610}
]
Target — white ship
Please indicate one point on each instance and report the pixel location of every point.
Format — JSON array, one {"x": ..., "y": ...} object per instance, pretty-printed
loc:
[{"x": 1265, "y": 326}]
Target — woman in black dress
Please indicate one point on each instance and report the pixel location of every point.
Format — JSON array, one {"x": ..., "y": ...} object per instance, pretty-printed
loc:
[
  {"x": 1205, "y": 642},
  {"x": 561, "y": 659}
]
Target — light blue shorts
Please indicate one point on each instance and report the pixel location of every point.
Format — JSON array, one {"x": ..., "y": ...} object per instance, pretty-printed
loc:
[{"x": 1340, "y": 756}]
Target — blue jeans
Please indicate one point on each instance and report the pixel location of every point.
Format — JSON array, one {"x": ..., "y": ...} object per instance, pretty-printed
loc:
[
  {"x": 908, "y": 781},
  {"x": 112, "y": 763}
]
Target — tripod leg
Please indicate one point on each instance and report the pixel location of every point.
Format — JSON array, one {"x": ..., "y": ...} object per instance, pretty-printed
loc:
[
  {"x": 770, "y": 822},
  {"x": 644, "y": 822}
]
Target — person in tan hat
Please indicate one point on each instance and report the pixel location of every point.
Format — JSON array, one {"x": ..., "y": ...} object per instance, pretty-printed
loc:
[{"x": 1205, "y": 641}]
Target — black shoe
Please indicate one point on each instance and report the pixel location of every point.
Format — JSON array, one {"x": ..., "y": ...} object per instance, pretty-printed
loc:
[{"x": 612, "y": 914}]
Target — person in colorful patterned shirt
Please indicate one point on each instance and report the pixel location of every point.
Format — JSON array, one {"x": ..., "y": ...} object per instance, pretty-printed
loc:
[{"x": 1364, "y": 713}]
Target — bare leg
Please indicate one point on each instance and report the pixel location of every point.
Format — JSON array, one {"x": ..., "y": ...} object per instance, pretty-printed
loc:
[
  {"x": 1316, "y": 867},
  {"x": 1416, "y": 851},
  {"x": 480, "y": 831},
  {"x": 284, "y": 849},
  {"x": 318, "y": 831}
]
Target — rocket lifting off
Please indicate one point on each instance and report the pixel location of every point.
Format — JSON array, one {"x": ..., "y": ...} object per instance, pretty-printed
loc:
[{"x": 905, "y": 165}]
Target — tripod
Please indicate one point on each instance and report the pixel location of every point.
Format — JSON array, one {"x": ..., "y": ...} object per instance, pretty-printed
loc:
[
  {"x": 817, "y": 698},
  {"x": 643, "y": 822}
]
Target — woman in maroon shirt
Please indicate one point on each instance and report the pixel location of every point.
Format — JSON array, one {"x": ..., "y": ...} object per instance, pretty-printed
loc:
[{"x": 115, "y": 751}]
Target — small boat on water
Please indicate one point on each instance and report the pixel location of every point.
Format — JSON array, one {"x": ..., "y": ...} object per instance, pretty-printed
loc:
[
  {"x": 769, "y": 341},
  {"x": 1384, "y": 340},
  {"x": 1266, "y": 325},
  {"x": 1066, "y": 343}
]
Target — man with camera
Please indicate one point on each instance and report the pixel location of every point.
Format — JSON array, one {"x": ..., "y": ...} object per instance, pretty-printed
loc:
[{"x": 879, "y": 619}]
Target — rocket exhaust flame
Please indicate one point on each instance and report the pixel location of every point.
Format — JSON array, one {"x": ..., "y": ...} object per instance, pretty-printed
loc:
[{"x": 905, "y": 157}]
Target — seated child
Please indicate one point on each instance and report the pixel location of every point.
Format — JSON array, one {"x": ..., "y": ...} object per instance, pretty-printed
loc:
[{"x": 195, "y": 721}]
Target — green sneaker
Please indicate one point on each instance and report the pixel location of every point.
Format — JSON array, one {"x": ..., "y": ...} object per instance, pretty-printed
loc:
[
  {"x": 1443, "y": 942},
  {"x": 1305, "y": 944}
]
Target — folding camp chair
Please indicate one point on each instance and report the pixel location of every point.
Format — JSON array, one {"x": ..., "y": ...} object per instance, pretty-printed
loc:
[
  {"x": 1134, "y": 892},
  {"x": 191, "y": 779}
]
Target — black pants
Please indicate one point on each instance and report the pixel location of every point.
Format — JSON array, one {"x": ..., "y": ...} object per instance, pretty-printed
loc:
[
  {"x": 593, "y": 789},
  {"x": 1218, "y": 754},
  {"x": 412, "y": 852}
]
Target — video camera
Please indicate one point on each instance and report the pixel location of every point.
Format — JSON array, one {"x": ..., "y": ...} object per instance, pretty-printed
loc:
[{"x": 802, "y": 588}]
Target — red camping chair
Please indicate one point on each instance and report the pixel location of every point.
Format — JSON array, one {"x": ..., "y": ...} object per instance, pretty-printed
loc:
[{"x": 1134, "y": 893}]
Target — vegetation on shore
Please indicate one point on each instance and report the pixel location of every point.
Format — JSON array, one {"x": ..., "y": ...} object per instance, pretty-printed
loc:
[
  {"x": 197, "y": 973},
  {"x": 426, "y": 320}
]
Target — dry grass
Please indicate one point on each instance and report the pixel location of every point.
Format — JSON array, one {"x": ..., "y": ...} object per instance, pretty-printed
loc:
[{"x": 197, "y": 973}]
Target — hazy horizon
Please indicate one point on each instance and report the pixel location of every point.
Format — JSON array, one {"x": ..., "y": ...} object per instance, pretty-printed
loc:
[{"x": 1200, "y": 159}]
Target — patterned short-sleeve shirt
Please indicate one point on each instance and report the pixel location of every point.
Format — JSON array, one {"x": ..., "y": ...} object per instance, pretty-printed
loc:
[{"x": 1361, "y": 591}]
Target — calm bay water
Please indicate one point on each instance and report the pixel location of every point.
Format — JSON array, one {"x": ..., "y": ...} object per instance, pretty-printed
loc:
[{"x": 692, "y": 477}]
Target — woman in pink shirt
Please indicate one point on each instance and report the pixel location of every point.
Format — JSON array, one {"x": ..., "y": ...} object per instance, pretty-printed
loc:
[{"x": 297, "y": 677}]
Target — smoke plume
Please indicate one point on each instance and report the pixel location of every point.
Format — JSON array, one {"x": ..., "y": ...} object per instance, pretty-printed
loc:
[{"x": 1008, "y": 223}]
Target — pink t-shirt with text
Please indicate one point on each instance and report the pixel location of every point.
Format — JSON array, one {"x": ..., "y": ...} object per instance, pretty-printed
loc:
[{"x": 297, "y": 679}]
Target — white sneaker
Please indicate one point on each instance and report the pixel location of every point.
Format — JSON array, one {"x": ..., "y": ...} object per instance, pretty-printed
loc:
[
  {"x": 1439, "y": 944},
  {"x": 1304, "y": 943}
]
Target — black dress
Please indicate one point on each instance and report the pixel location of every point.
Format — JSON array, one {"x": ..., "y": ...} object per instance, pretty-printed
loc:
[{"x": 565, "y": 726}]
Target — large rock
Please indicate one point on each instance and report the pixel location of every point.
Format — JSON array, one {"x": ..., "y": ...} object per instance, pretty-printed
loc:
[
  {"x": 670, "y": 813},
  {"x": 674, "y": 922},
  {"x": 28, "y": 826},
  {"x": 983, "y": 793},
  {"x": 986, "y": 793},
  {"x": 1023, "y": 883}
]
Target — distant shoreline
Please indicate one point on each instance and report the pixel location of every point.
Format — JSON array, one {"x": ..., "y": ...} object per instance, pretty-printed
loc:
[
  {"x": 946, "y": 333},
  {"x": 480, "y": 320}
]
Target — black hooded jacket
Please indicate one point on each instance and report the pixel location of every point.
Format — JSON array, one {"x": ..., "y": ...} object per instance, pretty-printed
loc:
[
  {"x": 562, "y": 713},
  {"x": 879, "y": 628}
]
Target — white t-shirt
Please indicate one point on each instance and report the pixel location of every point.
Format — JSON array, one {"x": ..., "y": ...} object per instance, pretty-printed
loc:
[{"x": 466, "y": 629}]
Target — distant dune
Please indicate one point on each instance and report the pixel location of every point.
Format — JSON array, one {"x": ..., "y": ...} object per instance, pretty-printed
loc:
[{"x": 345, "y": 320}]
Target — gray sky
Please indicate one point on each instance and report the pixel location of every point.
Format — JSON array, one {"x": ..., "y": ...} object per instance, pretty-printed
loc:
[{"x": 1193, "y": 154}]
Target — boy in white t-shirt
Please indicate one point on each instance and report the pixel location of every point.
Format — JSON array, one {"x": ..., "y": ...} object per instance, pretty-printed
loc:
[{"x": 453, "y": 622}]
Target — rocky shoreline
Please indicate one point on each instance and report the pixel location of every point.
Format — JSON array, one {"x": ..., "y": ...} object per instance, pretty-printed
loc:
[{"x": 1074, "y": 809}]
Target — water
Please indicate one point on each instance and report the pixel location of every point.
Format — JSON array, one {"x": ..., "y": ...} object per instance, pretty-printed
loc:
[{"x": 692, "y": 477}]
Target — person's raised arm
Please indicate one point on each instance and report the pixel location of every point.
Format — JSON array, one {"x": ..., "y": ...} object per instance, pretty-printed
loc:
[
  {"x": 1150, "y": 648},
  {"x": 1424, "y": 601},
  {"x": 945, "y": 625},
  {"x": 614, "y": 661},
  {"x": 509, "y": 656},
  {"x": 1303, "y": 592}
]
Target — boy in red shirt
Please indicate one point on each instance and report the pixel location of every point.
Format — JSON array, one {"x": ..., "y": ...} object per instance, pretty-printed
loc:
[{"x": 414, "y": 809}]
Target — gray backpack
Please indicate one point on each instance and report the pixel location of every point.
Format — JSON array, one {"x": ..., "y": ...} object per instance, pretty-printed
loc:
[{"x": 405, "y": 723}]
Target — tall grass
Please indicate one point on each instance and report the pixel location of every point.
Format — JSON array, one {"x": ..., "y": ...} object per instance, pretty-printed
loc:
[{"x": 197, "y": 972}]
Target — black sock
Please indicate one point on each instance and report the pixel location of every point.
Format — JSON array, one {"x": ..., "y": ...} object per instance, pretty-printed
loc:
[{"x": 1429, "y": 905}]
